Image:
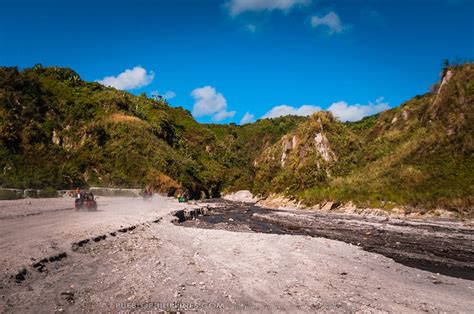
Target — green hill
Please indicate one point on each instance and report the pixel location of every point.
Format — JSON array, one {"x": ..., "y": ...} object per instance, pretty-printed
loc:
[
  {"x": 58, "y": 131},
  {"x": 420, "y": 153}
]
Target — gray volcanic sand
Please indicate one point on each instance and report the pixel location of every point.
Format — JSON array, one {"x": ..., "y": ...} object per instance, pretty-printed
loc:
[{"x": 172, "y": 267}]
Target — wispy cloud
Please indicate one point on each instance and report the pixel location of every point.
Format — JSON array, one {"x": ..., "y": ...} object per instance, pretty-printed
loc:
[
  {"x": 236, "y": 7},
  {"x": 330, "y": 21},
  {"x": 345, "y": 112},
  {"x": 222, "y": 115},
  {"x": 208, "y": 102},
  {"x": 341, "y": 110},
  {"x": 168, "y": 95},
  {"x": 285, "y": 110},
  {"x": 129, "y": 79},
  {"x": 247, "y": 118},
  {"x": 251, "y": 27}
]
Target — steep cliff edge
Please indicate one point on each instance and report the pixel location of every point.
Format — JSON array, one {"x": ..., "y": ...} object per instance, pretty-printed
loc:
[{"x": 418, "y": 154}]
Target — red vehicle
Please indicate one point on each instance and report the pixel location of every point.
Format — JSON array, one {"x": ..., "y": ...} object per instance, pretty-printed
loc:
[{"x": 85, "y": 201}]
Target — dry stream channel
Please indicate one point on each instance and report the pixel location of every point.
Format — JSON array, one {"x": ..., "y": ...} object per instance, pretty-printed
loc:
[{"x": 440, "y": 246}]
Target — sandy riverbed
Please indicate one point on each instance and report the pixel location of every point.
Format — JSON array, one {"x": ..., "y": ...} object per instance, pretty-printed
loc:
[{"x": 167, "y": 266}]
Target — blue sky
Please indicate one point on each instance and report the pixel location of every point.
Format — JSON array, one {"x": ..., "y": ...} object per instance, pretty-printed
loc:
[{"x": 223, "y": 59}]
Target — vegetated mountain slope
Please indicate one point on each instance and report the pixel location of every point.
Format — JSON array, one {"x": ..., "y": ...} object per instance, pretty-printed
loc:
[
  {"x": 59, "y": 131},
  {"x": 420, "y": 153}
]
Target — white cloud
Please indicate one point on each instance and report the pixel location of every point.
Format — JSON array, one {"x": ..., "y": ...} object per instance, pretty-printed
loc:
[
  {"x": 341, "y": 110},
  {"x": 345, "y": 112},
  {"x": 169, "y": 94},
  {"x": 208, "y": 102},
  {"x": 222, "y": 115},
  {"x": 237, "y": 7},
  {"x": 285, "y": 110},
  {"x": 330, "y": 20},
  {"x": 247, "y": 118},
  {"x": 129, "y": 79}
]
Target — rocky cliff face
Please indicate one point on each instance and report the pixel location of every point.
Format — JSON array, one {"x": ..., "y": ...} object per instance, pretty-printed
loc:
[{"x": 420, "y": 153}]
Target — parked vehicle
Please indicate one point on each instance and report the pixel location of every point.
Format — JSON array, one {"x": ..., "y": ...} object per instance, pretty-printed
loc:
[{"x": 85, "y": 200}]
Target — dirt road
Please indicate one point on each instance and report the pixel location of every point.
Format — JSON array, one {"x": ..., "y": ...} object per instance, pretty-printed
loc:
[
  {"x": 31, "y": 229},
  {"x": 161, "y": 266}
]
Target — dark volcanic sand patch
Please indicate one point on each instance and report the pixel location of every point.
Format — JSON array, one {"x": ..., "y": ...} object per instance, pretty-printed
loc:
[{"x": 426, "y": 245}]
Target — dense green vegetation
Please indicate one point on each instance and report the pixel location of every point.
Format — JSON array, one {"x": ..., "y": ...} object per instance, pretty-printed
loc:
[{"x": 58, "y": 131}]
